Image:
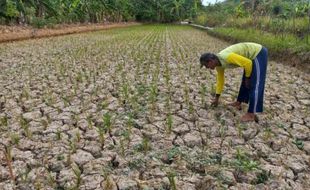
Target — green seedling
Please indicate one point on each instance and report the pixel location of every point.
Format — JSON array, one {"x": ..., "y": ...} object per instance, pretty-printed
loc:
[
  {"x": 79, "y": 77},
  {"x": 44, "y": 123},
  {"x": 66, "y": 100},
  {"x": 9, "y": 158},
  {"x": 125, "y": 91},
  {"x": 122, "y": 147},
  {"x": 203, "y": 93},
  {"x": 126, "y": 135},
  {"x": 240, "y": 128},
  {"x": 101, "y": 133},
  {"x": 169, "y": 122},
  {"x": 171, "y": 177},
  {"x": 15, "y": 138},
  {"x": 78, "y": 136},
  {"x": 24, "y": 176},
  {"x": 106, "y": 175},
  {"x": 72, "y": 144},
  {"x": 243, "y": 163},
  {"x": 89, "y": 122},
  {"x": 174, "y": 152},
  {"x": 58, "y": 134},
  {"x": 298, "y": 143},
  {"x": 261, "y": 177},
  {"x": 153, "y": 93},
  {"x": 268, "y": 134},
  {"x": 24, "y": 124},
  {"x": 107, "y": 122},
  {"x": 77, "y": 172},
  {"x": 4, "y": 121},
  {"x": 186, "y": 95},
  {"x": 25, "y": 94},
  {"x": 146, "y": 144},
  {"x": 60, "y": 157}
]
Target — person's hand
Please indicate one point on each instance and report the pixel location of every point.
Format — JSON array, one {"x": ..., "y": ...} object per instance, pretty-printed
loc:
[
  {"x": 247, "y": 83},
  {"x": 215, "y": 101}
]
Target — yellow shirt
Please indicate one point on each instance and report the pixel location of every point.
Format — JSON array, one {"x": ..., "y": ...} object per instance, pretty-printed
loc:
[{"x": 238, "y": 55}]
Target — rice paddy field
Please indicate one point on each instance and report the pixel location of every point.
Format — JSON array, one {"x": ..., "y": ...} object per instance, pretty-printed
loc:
[{"x": 129, "y": 108}]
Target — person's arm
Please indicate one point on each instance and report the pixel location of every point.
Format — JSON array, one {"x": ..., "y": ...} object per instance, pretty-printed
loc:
[
  {"x": 219, "y": 85},
  {"x": 244, "y": 63},
  {"x": 241, "y": 61}
]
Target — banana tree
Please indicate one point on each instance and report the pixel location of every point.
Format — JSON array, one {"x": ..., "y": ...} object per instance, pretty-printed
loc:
[{"x": 177, "y": 7}]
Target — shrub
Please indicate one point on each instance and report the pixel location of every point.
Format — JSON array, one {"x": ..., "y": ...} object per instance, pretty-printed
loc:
[
  {"x": 38, "y": 22},
  {"x": 51, "y": 22}
]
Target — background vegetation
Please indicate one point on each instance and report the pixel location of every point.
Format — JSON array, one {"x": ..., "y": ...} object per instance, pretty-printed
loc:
[
  {"x": 43, "y": 12},
  {"x": 282, "y": 26},
  {"x": 285, "y": 17}
]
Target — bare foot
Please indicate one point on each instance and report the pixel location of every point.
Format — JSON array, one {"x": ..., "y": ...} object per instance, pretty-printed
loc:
[
  {"x": 249, "y": 117},
  {"x": 236, "y": 105}
]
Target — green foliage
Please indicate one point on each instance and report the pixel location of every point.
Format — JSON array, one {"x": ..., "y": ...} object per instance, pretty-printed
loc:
[
  {"x": 4, "y": 121},
  {"x": 278, "y": 17},
  {"x": 275, "y": 43},
  {"x": 171, "y": 176},
  {"x": 38, "y": 22},
  {"x": 261, "y": 177},
  {"x": 243, "y": 162},
  {"x": 173, "y": 152},
  {"x": 107, "y": 122},
  {"x": 169, "y": 122},
  {"x": 11, "y": 9},
  {"x": 39, "y": 12},
  {"x": 299, "y": 144}
]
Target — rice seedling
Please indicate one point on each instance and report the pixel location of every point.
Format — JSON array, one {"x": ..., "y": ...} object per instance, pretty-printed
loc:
[
  {"x": 4, "y": 121},
  {"x": 171, "y": 176},
  {"x": 14, "y": 138},
  {"x": 243, "y": 163},
  {"x": 9, "y": 159},
  {"x": 77, "y": 172},
  {"x": 24, "y": 175},
  {"x": 24, "y": 124},
  {"x": 203, "y": 94},
  {"x": 169, "y": 124},
  {"x": 73, "y": 145},
  {"x": 299, "y": 143},
  {"x": 101, "y": 134},
  {"x": 107, "y": 122},
  {"x": 106, "y": 172}
]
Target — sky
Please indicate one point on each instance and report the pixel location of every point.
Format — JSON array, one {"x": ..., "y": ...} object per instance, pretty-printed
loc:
[{"x": 206, "y": 2}]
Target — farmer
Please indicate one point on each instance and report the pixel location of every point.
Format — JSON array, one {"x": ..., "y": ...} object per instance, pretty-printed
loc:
[{"x": 252, "y": 58}]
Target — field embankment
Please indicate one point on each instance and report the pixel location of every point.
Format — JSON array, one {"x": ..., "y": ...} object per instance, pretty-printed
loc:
[{"x": 15, "y": 33}]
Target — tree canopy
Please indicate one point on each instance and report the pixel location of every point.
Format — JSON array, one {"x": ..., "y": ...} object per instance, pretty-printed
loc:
[{"x": 68, "y": 11}]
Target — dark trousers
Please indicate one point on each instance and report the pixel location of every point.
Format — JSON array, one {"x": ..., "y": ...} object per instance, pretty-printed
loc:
[{"x": 255, "y": 94}]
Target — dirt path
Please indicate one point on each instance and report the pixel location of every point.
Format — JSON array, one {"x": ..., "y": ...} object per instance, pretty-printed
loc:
[
  {"x": 15, "y": 33},
  {"x": 128, "y": 108}
]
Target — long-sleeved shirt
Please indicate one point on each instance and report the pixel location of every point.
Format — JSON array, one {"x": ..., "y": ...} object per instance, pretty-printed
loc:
[{"x": 238, "y": 55}]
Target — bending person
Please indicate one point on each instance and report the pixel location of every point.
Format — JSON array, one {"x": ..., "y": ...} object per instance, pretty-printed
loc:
[{"x": 253, "y": 59}]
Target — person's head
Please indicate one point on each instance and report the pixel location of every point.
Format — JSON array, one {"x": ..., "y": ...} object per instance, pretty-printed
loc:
[{"x": 209, "y": 60}]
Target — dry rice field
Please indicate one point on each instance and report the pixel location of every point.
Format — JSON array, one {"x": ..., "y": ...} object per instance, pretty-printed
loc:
[{"x": 129, "y": 108}]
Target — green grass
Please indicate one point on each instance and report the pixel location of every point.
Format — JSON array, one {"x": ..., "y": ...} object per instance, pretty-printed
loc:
[
  {"x": 273, "y": 25},
  {"x": 275, "y": 43}
]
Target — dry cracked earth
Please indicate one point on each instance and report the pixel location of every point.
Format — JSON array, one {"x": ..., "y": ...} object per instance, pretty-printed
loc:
[{"x": 130, "y": 109}]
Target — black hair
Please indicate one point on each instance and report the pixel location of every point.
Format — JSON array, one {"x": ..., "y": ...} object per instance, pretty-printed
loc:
[{"x": 204, "y": 58}]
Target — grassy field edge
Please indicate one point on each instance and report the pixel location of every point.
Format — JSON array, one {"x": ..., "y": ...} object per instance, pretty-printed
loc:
[{"x": 296, "y": 54}]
